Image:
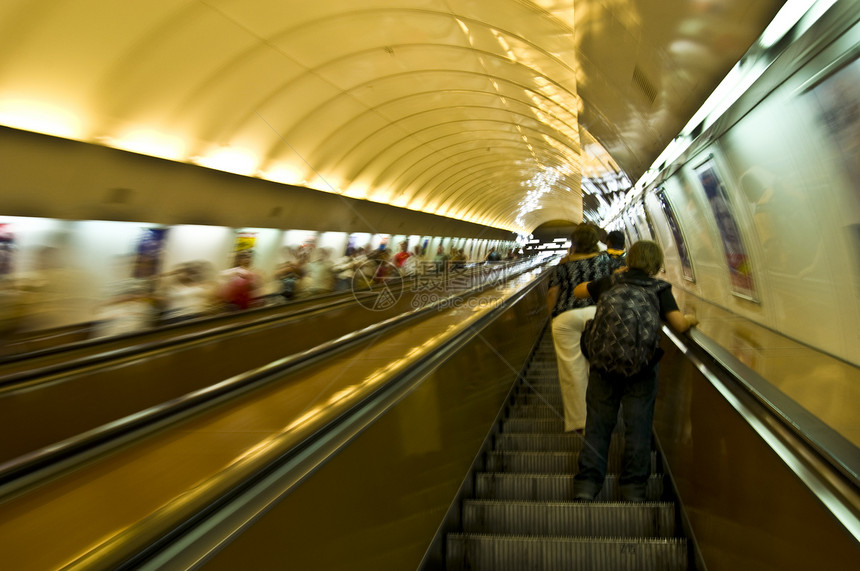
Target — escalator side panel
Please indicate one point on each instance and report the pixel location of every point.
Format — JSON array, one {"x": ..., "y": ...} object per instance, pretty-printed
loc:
[
  {"x": 747, "y": 509},
  {"x": 75, "y": 403}
]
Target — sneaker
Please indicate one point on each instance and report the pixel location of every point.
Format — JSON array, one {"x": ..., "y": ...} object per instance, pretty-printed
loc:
[{"x": 585, "y": 491}]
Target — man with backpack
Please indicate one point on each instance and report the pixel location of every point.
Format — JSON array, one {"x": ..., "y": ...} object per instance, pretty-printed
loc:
[{"x": 621, "y": 344}]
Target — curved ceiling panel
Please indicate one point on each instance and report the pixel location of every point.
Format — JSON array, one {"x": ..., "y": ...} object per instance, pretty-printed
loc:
[{"x": 466, "y": 108}]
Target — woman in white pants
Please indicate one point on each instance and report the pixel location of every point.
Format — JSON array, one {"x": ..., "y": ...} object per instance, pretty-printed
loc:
[{"x": 584, "y": 263}]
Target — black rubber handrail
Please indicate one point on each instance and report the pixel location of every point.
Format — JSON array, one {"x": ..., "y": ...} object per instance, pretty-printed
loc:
[
  {"x": 249, "y": 314},
  {"x": 109, "y": 355}
]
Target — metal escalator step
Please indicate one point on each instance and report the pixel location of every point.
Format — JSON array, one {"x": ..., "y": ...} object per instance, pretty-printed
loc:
[
  {"x": 553, "y": 425},
  {"x": 593, "y": 519},
  {"x": 541, "y": 386},
  {"x": 543, "y": 361},
  {"x": 547, "y": 350},
  {"x": 534, "y": 411},
  {"x": 565, "y": 442},
  {"x": 478, "y": 552},
  {"x": 549, "y": 386},
  {"x": 534, "y": 397},
  {"x": 542, "y": 377},
  {"x": 551, "y": 487},
  {"x": 547, "y": 371},
  {"x": 547, "y": 462},
  {"x": 541, "y": 389},
  {"x": 532, "y": 462},
  {"x": 545, "y": 385}
]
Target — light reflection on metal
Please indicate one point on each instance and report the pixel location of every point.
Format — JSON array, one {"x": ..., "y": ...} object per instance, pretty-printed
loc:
[
  {"x": 608, "y": 192},
  {"x": 791, "y": 12},
  {"x": 737, "y": 81}
]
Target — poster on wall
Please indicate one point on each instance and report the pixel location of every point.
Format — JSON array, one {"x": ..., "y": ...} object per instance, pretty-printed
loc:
[
  {"x": 737, "y": 259},
  {"x": 7, "y": 249},
  {"x": 686, "y": 266},
  {"x": 838, "y": 110},
  {"x": 245, "y": 242},
  {"x": 149, "y": 252}
]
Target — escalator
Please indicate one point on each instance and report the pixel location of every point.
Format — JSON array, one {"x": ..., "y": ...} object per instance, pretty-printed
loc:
[
  {"x": 521, "y": 513},
  {"x": 353, "y": 462}
]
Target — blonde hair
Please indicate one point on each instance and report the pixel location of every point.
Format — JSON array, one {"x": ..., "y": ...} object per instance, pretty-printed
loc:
[{"x": 646, "y": 256}]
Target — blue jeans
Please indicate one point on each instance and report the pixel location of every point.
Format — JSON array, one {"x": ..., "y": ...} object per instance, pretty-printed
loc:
[{"x": 635, "y": 395}]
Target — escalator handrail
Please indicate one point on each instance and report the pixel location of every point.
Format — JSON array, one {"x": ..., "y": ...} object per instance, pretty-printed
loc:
[
  {"x": 821, "y": 458},
  {"x": 203, "y": 335},
  {"x": 196, "y": 321}
]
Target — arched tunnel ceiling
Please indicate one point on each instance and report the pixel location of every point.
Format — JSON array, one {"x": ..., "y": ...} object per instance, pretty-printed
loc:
[{"x": 485, "y": 110}]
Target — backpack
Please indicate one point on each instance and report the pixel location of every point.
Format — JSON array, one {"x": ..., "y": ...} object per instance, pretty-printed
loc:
[
  {"x": 617, "y": 260},
  {"x": 623, "y": 337}
]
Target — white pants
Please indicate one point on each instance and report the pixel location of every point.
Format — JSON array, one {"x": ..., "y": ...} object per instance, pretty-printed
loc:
[{"x": 572, "y": 365}]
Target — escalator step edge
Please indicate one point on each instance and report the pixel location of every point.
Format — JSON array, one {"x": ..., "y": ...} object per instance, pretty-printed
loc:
[
  {"x": 607, "y": 519},
  {"x": 478, "y": 552}
]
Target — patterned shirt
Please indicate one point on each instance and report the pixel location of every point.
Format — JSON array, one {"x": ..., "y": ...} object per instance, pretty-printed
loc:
[{"x": 568, "y": 275}]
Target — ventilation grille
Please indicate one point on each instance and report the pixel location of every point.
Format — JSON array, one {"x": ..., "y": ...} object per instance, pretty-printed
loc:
[{"x": 644, "y": 84}]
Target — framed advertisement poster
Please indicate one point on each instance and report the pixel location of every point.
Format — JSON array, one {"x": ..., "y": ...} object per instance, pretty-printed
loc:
[
  {"x": 149, "y": 252},
  {"x": 737, "y": 259},
  {"x": 686, "y": 266},
  {"x": 837, "y": 108}
]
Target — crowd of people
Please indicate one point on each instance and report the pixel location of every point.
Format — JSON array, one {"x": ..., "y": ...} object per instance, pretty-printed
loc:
[{"x": 147, "y": 297}]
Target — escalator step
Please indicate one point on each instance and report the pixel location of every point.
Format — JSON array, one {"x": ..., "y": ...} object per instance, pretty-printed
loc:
[
  {"x": 541, "y": 378},
  {"x": 551, "y": 487},
  {"x": 548, "y": 462},
  {"x": 512, "y": 553},
  {"x": 565, "y": 442},
  {"x": 541, "y": 386},
  {"x": 597, "y": 519},
  {"x": 542, "y": 371},
  {"x": 542, "y": 425},
  {"x": 534, "y": 411},
  {"x": 534, "y": 397}
]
